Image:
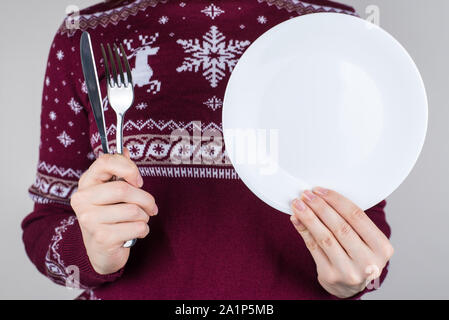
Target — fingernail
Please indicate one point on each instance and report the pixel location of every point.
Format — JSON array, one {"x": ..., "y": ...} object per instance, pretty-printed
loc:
[
  {"x": 296, "y": 222},
  {"x": 299, "y": 205},
  {"x": 309, "y": 196},
  {"x": 320, "y": 191},
  {"x": 140, "y": 181},
  {"x": 156, "y": 210}
]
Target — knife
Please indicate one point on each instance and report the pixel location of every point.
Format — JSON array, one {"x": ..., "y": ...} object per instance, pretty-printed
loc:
[{"x": 93, "y": 87}]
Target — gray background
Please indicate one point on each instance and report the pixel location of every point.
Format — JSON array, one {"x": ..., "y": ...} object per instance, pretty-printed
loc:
[{"x": 417, "y": 211}]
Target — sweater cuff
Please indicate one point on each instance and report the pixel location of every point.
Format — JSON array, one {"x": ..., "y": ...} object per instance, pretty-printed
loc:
[{"x": 73, "y": 253}]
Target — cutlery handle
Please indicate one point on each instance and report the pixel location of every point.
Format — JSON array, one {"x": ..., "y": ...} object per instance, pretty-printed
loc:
[
  {"x": 129, "y": 243},
  {"x": 119, "y": 147},
  {"x": 119, "y": 133}
]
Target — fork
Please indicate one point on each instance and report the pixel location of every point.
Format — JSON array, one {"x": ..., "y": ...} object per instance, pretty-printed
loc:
[{"x": 120, "y": 94}]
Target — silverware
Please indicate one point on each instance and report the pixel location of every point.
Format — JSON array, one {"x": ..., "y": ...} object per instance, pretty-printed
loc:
[
  {"x": 120, "y": 94},
  {"x": 93, "y": 87}
]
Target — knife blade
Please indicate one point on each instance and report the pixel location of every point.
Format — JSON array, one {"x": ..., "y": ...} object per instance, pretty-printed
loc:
[{"x": 93, "y": 87}]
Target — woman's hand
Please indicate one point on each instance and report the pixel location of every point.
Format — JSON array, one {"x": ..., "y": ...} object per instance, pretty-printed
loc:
[
  {"x": 348, "y": 248},
  {"x": 110, "y": 213}
]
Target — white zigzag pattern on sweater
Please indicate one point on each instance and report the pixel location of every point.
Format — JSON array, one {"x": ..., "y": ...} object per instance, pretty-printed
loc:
[
  {"x": 317, "y": 7},
  {"x": 62, "y": 172},
  {"x": 112, "y": 16},
  {"x": 161, "y": 125}
]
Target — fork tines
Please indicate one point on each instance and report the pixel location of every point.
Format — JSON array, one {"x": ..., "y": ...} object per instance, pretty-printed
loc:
[{"x": 118, "y": 77}]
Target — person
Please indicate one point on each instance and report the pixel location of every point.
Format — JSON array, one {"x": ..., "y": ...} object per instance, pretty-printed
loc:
[{"x": 201, "y": 233}]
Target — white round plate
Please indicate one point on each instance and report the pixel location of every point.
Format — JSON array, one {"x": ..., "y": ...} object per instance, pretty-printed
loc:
[{"x": 342, "y": 102}]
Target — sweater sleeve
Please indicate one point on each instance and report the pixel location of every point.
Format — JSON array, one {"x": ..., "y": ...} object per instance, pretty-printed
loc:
[{"x": 51, "y": 233}]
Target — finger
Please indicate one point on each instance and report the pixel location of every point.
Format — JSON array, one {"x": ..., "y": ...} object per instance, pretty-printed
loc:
[
  {"x": 343, "y": 232},
  {"x": 113, "y": 193},
  {"x": 126, "y": 152},
  {"x": 109, "y": 165},
  {"x": 117, "y": 213},
  {"x": 322, "y": 235},
  {"x": 317, "y": 253},
  {"x": 356, "y": 217},
  {"x": 122, "y": 232}
]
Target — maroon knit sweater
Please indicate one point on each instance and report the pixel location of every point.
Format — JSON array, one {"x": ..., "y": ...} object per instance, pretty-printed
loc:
[{"x": 213, "y": 239}]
